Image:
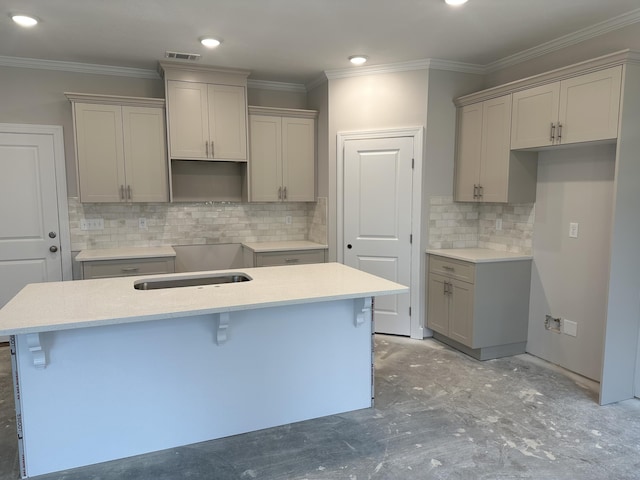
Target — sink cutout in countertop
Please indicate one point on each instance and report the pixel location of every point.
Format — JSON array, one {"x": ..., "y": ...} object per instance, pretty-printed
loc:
[{"x": 191, "y": 281}]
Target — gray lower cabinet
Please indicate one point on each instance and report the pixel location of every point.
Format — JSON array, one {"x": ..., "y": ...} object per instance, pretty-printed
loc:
[
  {"x": 289, "y": 257},
  {"x": 481, "y": 309},
  {"x": 127, "y": 267}
]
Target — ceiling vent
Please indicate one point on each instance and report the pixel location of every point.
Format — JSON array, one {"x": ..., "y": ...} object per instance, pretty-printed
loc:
[{"x": 182, "y": 56}]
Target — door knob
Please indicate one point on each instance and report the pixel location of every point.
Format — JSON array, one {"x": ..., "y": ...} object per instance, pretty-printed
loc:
[
  {"x": 53, "y": 248},
  {"x": 349, "y": 246},
  {"x": 52, "y": 234}
]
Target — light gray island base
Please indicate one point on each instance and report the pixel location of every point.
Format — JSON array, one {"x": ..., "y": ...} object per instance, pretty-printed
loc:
[{"x": 118, "y": 386}]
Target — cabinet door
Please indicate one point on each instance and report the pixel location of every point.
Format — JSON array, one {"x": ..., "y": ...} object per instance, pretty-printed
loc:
[
  {"x": 188, "y": 120},
  {"x": 227, "y": 122},
  {"x": 469, "y": 144},
  {"x": 298, "y": 159},
  {"x": 144, "y": 153},
  {"x": 461, "y": 313},
  {"x": 494, "y": 159},
  {"x": 266, "y": 158},
  {"x": 589, "y": 106},
  {"x": 437, "y": 304},
  {"x": 100, "y": 152},
  {"x": 534, "y": 111}
]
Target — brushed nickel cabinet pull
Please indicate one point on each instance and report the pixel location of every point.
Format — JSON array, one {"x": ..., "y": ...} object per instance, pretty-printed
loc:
[
  {"x": 206, "y": 149},
  {"x": 279, "y": 193},
  {"x": 129, "y": 195},
  {"x": 553, "y": 132},
  {"x": 121, "y": 192},
  {"x": 559, "y": 132},
  {"x": 213, "y": 155},
  {"x": 285, "y": 193}
]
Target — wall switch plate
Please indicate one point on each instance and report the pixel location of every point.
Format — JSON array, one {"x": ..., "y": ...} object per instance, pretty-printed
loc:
[
  {"x": 142, "y": 223},
  {"x": 569, "y": 327},
  {"x": 288, "y": 219},
  {"x": 498, "y": 224},
  {"x": 91, "y": 224},
  {"x": 573, "y": 230}
]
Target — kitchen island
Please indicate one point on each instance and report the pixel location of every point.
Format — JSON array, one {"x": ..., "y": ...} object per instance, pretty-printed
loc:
[{"x": 103, "y": 370}]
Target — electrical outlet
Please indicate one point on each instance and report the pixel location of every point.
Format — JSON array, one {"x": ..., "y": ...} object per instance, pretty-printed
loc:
[
  {"x": 573, "y": 230},
  {"x": 288, "y": 219},
  {"x": 142, "y": 223},
  {"x": 569, "y": 327},
  {"x": 91, "y": 224},
  {"x": 498, "y": 224}
]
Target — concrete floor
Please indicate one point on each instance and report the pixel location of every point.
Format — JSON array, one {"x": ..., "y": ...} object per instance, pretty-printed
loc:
[{"x": 439, "y": 415}]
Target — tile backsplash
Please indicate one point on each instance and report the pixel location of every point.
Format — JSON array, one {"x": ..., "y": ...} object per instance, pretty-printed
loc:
[
  {"x": 195, "y": 223},
  {"x": 469, "y": 225}
]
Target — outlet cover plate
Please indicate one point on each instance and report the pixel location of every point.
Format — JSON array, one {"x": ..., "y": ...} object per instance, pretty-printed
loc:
[{"x": 569, "y": 327}]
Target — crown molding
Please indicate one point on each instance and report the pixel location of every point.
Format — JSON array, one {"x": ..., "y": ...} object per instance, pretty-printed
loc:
[
  {"x": 76, "y": 67},
  {"x": 592, "y": 65},
  {"x": 426, "y": 64},
  {"x": 322, "y": 78},
  {"x": 285, "y": 112},
  {"x": 278, "y": 86},
  {"x": 450, "y": 66},
  {"x": 114, "y": 99},
  {"x": 559, "y": 43}
]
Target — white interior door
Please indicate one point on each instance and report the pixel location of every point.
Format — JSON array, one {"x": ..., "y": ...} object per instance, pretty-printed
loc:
[
  {"x": 377, "y": 220},
  {"x": 30, "y": 228}
]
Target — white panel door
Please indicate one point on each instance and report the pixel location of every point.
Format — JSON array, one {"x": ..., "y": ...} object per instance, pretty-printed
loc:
[
  {"x": 188, "y": 119},
  {"x": 266, "y": 158},
  {"x": 377, "y": 220},
  {"x": 298, "y": 159},
  {"x": 227, "y": 122},
  {"x": 535, "y": 110},
  {"x": 29, "y": 223}
]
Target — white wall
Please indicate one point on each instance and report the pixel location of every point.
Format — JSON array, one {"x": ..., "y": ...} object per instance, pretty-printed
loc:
[{"x": 570, "y": 276}]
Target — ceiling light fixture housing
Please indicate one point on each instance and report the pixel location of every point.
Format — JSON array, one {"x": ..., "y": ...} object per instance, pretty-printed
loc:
[
  {"x": 455, "y": 3},
  {"x": 210, "y": 42},
  {"x": 358, "y": 59},
  {"x": 24, "y": 20}
]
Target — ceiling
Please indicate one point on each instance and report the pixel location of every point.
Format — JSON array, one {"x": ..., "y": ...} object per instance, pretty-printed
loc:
[{"x": 294, "y": 41}]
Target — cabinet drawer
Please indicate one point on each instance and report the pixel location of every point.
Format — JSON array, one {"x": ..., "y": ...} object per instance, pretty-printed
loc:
[
  {"x": 293, "y": 257},
  {"x": 126, "y": 268},
  {"x": 464, "y": 271}
]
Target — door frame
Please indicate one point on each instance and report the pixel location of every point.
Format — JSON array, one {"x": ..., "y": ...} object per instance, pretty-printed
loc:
[
  {"x": 417, "y": 327},
  {"x": 55, "y": 131}
]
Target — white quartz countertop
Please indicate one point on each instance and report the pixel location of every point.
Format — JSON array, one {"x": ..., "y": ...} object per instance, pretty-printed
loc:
[
  {"x": 42, "y": 307},
  {"x": 261, "y": 247},
  {"x": 124, "y": 253},
  {"x": 478, "y": 255}
]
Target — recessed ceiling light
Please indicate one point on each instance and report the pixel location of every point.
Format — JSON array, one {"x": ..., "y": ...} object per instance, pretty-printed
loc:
[
  {"x": 358, "y": 59},
  {"x": 455, "y": 3},
  {"x": 210, "y": 42},
  {"x": 24, "y": 21}
]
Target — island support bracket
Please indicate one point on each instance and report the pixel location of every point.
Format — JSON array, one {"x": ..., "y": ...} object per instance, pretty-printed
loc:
[
  {"x": 222, "y": 327},
  {"x": 365, "y": 314},
  {"x": 35, "y": 347}
]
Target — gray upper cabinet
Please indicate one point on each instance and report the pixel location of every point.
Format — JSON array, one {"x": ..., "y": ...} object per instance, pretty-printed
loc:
[
  {"x": 486, "y": 169},
  {"x": 207, "y": 121},
  {"x": 583, "y": 108},
  {"x": 282, "y": 167},
  {"x": 120, "y": 148}
]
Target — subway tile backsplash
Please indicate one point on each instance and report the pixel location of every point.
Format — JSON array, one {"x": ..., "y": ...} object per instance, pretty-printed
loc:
[
  {"x": 195, "y": 223},
  {"x": 470, "y": 225}
]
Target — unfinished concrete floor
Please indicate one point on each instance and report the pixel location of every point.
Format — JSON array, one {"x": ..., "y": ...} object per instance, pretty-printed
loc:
[{"x": 439, "y": 415}]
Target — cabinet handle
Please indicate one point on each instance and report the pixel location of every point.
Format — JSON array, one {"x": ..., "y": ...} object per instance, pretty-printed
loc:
[
  {"x": 291, "y": 260},
  {"x": 284, "y": 193},
  {"x": 444, "y": 284},
  {"x": 480, "y": 191},
  {"x": 212, "y": 150},
  {"x": 129, "y": 195},
  {"x": 447, "y": 267},
  {"x": 121, "y": 192},
  {"x": 206, "y": 149},
  {"x": 559, "y": 132},
  {"x": 130, "y": 269},
  {"x": 279, "y": 193},
  {"x": 553, "y": 132},
  {"x": 475, "y": 191}
]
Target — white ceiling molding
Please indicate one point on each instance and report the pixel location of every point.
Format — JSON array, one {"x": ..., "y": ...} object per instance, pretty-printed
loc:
[
  {"x": 279, "y": 86},
  {"x": 438, "y": 64},
  {"x": 77, "y": 67},
  {"x": 317, "y": 82},
  {"x": 428, "y": 63},
  {"x": 559, "y": 43}
]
